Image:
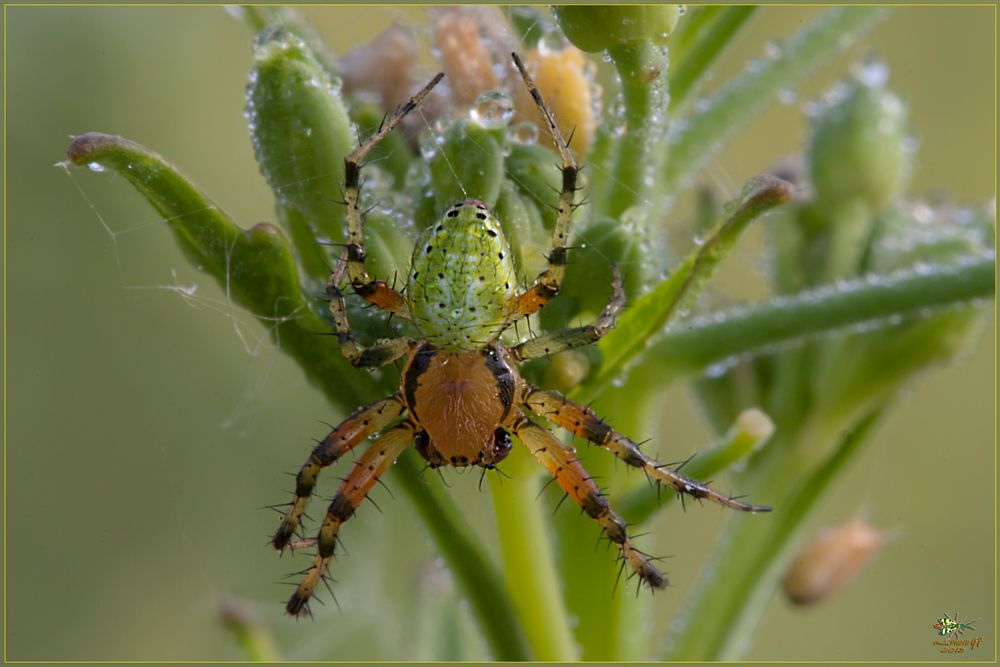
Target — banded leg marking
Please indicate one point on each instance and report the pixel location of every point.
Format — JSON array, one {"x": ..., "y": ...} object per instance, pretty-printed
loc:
[
  {"x": 562, "y": 464},
  {"x": 578, "y": 336},
  {"x": 548, "y": 283},
  {"x": 342, "y": 439},
  {"x": 382, "y": 352},
  {"x": 379, "y": 456},
  {"x": 582, "y": 422},
  {"x": 377, "y": 292}
]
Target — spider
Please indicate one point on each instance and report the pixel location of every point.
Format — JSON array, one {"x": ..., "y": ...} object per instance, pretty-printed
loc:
[{"x": 461, "y": 397}]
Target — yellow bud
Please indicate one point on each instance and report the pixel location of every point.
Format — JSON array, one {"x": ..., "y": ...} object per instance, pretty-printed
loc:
[
  {"x": 468, "y": 63},
  {"x": 566, "y": 81}
]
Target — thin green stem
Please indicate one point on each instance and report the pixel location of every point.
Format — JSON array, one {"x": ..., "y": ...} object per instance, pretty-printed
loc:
[
  {"x": 703, "y": 134},
  {"x": 528, "y": 559},
  {"x": 703, "y": 342},
  {"x": 715, "y": 34},
  {"x": 475, "y": 572},
  {"x": 641, "y": 69}
]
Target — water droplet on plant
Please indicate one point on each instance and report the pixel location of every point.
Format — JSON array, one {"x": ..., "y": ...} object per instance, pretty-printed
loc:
[
  {"x": 492, "y": 110},
  {"x": 95, "y": 166},
  {"x": 872, "y": 73},
  {"x": 787, "y": 96},
  {"x": 551, "y": 43},
  {"x": 524, "y": 133}
]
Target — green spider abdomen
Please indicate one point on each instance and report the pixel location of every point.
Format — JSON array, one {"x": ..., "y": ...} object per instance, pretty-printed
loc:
[{"x": 462, "y": 279}]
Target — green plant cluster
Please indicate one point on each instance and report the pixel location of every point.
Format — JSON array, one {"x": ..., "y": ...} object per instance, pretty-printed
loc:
[{"x": 869, "y": 288}]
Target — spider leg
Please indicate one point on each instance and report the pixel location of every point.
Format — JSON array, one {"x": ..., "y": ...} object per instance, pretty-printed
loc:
[
  {"x": 548, "y": 282},
  {"x": 378, "y": 292},
  {"x": 579, "y": 336},
  {"x": 379, "y": 456},
  {"x": 582, "y": 422},
  {"x": 342, "y": 439},
  {"x": 562, "y": 464},
  {"x": 382, "y": 352}
]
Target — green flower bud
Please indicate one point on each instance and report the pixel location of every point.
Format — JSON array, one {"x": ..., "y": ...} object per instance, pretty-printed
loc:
[
  {"x": 469, "y": 165},
  {"x": 596, "y": 28},
  {"x": 587, "y": 285},
  {"x": 523, "y": 226},
  {"x": 300, "y": 130},
  {"x": 860, "y": 149},
  {"x": 538, "y": 176}
]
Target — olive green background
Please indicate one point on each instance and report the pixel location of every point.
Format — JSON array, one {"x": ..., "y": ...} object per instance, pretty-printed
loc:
[{"x": 144, "y": 427}]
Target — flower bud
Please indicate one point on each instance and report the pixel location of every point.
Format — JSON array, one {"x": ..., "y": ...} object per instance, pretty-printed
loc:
[
  {"x": 596, "y": 28},
  {"x": 295, "y": 109},
  {"x": 566, "y": 81},
  {"x": 468, "y": 165},
  {"x": 860, "y": 149},
  {"x": 831, "y": 560}
]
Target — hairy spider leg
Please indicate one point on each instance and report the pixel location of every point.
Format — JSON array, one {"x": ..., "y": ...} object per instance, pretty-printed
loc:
[
  {"x": 583, "y": 423},
  {"x": 561, "y": 462},
  {"x": 548, "y": 283},
  {"x": 382, "y": 352},
  {"x": 377, "y": 292},
  {"x": 379, "y": 456},
  {"x": 342, "y": 439},
  {"x": 568, "y": 339}
]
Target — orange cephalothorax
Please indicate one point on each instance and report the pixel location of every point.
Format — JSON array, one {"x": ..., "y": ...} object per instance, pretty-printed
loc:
[{"x": 459, "y": 401}]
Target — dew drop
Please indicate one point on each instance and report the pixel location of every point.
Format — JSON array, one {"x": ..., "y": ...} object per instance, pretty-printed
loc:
[
  {"x": 492, "y": 110},
  {"x": 787, "y": 96},
  {"x": 525, "y": 133},
  {"x": 95, "y": 166},
  {"x": 872, "y": 73}
]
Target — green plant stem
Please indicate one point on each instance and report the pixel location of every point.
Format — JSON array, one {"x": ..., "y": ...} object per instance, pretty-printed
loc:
[
  {"x": 703, "y": 134},
  {"x": 528, "y": 559},
  {"x": 719, "y": 26},
  {"x": 645, "y": 102},
  {"x": 734, "y": 588},
  {"x": 700, "y": 343},
  {"x": 476, "y": 574},
  {"x": 610, "y": 617}
]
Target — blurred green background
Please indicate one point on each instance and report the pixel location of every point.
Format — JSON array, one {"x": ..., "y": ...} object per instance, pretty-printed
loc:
[{"x": 147, "y": 420}]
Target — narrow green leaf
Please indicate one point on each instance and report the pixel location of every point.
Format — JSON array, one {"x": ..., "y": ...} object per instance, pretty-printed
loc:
[
  {"x": 718, "y": 26},
  {"x": 254, "y": 266},
  {"x": 703, "y": 342},
  {"x": 647, "y": 316},
  {"x": 695, "y": 139}
]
